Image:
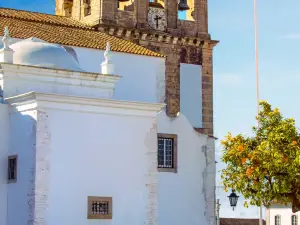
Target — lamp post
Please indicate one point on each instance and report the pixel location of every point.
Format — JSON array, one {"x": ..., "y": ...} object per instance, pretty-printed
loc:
[{"x": 233, "y": 198}]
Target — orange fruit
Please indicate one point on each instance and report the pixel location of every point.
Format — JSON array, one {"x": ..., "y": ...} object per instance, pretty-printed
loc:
[
  {"x": 241, "y": 148},
  {"x": 243, "y": 160},
  {"x": 294, "y": 142},
  {"x": 249, "y": 171}
]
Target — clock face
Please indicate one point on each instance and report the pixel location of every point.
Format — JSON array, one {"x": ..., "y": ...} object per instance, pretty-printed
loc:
[{"x": 157, "y": 18}]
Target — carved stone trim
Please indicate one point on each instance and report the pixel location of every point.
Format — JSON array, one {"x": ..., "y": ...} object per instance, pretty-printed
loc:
[
  {"x": 156, "y": 36},
  {"x": 151, "y": 175},
  {"x": 42, "y": 171}
]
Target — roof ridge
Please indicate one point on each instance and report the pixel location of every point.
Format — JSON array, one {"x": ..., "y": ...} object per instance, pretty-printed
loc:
[
  {"x": 77, "y": 24},
  {"x": 32, "y": 12},
  {"x": 50, "y": 23}
]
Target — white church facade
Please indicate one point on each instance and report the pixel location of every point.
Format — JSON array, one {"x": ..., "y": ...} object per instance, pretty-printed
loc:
[{"x": 88, "y": 143}]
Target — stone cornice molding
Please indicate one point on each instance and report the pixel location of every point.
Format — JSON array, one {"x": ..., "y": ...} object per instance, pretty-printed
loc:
[
  {"x": 155, "y": 36},
  {"x": 82, "y": 104},
  {"x": 48, "y": 72},
  {"x": 21, "y": 79}
]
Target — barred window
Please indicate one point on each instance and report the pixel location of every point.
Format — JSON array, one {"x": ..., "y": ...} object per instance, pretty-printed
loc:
[
  {"x": 99, "y": 207},
  {"x": 167, "y": 152},
  {"x": 277, "y": 220},
  {"x": 294, "y": 220},
  {"x": 12, "y": 169}
]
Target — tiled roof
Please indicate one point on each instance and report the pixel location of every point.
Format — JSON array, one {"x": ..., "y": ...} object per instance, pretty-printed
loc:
[
  {"x": 239, "y": 221},
  {"x": 63, "y": 30}
]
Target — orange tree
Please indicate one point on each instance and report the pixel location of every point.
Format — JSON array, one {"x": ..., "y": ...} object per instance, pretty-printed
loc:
[{"x": 265, "y": 167}]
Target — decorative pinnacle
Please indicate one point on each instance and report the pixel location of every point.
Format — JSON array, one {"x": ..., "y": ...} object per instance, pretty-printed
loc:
[
  {"x": 5, "y": 38},
  {"x": 107, "y": 53}
]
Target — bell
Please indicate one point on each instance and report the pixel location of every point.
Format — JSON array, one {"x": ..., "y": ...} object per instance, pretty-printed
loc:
[{"x": 182, "y": 5}]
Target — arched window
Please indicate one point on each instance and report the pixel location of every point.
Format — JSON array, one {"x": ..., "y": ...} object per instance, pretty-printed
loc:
[
  {"x": 294, "y": 220},
  {"x": 277, "y": 220}
]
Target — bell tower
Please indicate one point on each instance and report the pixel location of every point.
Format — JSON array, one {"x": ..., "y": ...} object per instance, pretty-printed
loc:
[{"x": 155, "y": 25}]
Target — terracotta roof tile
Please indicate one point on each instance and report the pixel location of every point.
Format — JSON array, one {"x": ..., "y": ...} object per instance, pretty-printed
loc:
[
  {"x": 63, "y": 30},
  {"x": 239, "y": 221}
]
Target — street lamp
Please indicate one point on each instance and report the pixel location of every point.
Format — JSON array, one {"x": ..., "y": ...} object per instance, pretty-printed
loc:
[{"x": 233, "y": 198}]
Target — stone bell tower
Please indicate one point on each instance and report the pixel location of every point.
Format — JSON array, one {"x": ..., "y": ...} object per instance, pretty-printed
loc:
[{"x": 155, "y": 25}]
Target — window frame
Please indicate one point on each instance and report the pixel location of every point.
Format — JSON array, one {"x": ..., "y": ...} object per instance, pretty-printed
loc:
[
  {"x": 296, "y": 218},
  {"x": 90, "y": 215},
  {"x": 174, "y": 152},
  {"x": 279, "y": 218},
  {"x": 15, "y": 169}
]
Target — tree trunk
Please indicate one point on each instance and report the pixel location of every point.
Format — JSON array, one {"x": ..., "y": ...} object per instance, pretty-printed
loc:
[{"x": 295, "y": 204}]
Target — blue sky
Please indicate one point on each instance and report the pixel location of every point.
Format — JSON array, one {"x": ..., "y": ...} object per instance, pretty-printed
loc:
[{"x": 231, "y": 22}]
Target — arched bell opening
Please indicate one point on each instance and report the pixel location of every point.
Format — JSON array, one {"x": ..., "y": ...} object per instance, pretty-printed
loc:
[
  {"x": 87, "y": 9},
  {"x": 157, "y": 4},
  {"x": 183, "y": 5},
  {"x": 122, "y": 4},
  {"x": 190, "y": 11},
  {"x": 184, "y": 8}
]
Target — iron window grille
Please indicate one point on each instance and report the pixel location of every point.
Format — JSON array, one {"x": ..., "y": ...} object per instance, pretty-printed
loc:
[
  {"x": 12, "y": 169},
  {"x": 167, "y": 152},
  {"x": 277, "y": 220},
  {"x": 294, "y": 220},
  {"x": 99, "y": 207}
]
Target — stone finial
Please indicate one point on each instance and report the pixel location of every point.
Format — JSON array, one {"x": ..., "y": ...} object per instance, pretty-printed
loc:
[
  {"x": 107, "y": 53},
  {"x": 6, "y": 53},
  {"x": 5, "y": 38},
  {"x": 107, "y": 65}
]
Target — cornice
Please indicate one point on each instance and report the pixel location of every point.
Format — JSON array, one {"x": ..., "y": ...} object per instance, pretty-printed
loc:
[
  {"x": 43, "y": 71},
  {"x": 83, "y": 104},
  {"x": 156, "y": 36}
]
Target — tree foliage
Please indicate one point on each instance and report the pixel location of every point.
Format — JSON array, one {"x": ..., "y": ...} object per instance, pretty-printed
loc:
[{"x": 265, "y": 167}]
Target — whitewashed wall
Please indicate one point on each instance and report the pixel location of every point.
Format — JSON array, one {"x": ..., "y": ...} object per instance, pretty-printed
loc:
[
  {"x": 4, "y": 134},
  {"x": 139, "y": 73},
  {"x": 285, "y": 213},
  {"x": 182, "y": 195},
  {"x": 143, "y": 79},
  {"x": 191, "y": 93},
  {"x": 96, "y": 151},
  {"x": 22, "y": 144}
]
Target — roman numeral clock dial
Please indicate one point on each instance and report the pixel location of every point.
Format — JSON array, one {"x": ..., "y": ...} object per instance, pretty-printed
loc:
[{"x": 157, "y": 18}]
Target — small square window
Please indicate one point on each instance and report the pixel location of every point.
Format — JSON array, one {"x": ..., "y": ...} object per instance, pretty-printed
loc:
[
  {"x": 99, "y": 207},
  {"x": 12, "y": 168},
  {"x": 167, "y": 153}
]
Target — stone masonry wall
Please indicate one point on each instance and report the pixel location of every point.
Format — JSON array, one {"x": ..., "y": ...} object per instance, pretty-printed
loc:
[
  {"x": 39, "y": 194},
  {"x": 207, "y": 89},
  {"x": 209, "y": 177},
  {"x": 199, "y": 55},
  {"x": 131, "y": 24}
]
